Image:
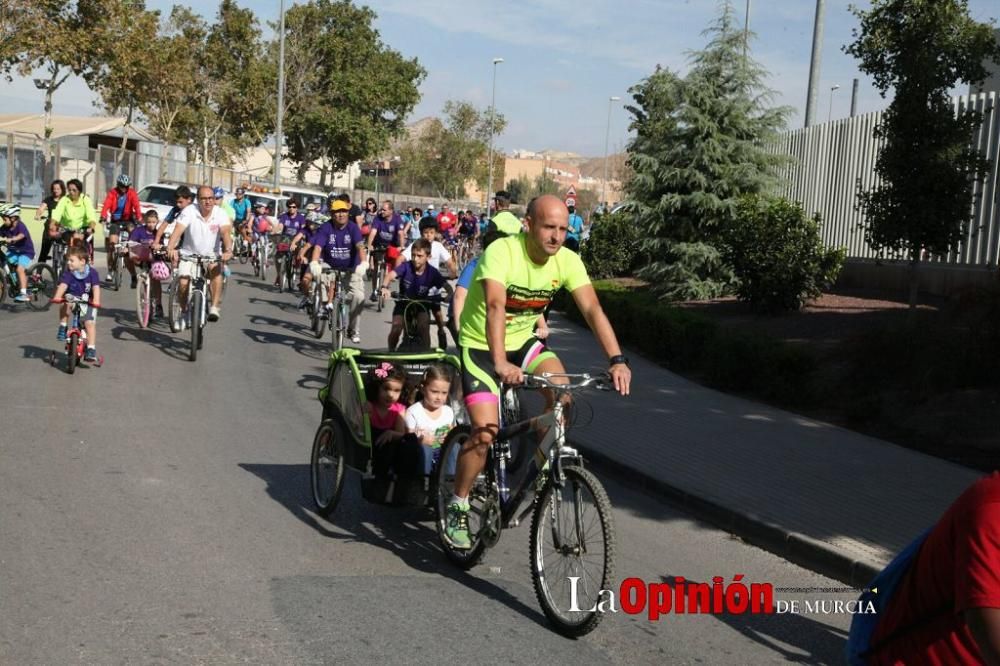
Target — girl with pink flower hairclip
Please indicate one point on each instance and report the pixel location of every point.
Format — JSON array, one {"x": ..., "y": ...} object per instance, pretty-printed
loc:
[{"x": 385, "y": 411}]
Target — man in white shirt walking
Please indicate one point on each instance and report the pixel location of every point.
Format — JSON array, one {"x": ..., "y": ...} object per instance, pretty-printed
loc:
[{"x": 202, "y": 227}]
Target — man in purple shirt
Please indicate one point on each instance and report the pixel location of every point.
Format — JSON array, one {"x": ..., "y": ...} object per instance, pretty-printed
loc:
[
  {"x": 18, "y": 248},
  {"x": 290, "y": 223},
  {"x": 340, "y": 245},
  {"x": 418, "y": 281}
]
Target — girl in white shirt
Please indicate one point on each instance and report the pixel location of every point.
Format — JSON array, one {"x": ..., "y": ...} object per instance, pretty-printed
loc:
[{"x": 432, "y": 418}]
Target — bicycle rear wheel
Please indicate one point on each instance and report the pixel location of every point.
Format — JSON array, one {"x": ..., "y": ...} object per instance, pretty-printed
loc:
[
  {"x": 572, "y": 551},
  {"x": 41, "y": 286},
  {"x": 327, "y": 467},
  {"x": 480, "y": 495},
  {"x": 142, "y": 300}
]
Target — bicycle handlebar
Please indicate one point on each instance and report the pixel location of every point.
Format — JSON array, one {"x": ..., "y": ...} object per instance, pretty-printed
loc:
[
  {"x": 602, "y": 381},
  {"x": 70, "y": 298}
]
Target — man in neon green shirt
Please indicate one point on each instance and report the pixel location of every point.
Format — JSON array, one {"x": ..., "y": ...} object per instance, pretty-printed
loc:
[
  {"x": 505, "y": 220},
  {"x": 513, "y": 284}
]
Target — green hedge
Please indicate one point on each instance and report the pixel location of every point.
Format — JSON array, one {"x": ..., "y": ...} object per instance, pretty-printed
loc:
[{"x": 693, "y": 344}]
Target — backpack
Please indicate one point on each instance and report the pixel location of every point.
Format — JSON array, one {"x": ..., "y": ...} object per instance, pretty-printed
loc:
[{"x": 879, "y": 593}]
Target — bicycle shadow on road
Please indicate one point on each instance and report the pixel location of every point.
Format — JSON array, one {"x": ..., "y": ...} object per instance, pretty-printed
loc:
[
  {"x": 293, "y": 326},
  {"x": 281, "y": 305},
  {"x": 257, "y": 283},
  {"x": 318, "y": 350},
  {"x": 173, "y": 347},
  {"x": 33, "y": 351},
  {"x": 821, "y": 643},
  {"x": 403, "y": 531}
]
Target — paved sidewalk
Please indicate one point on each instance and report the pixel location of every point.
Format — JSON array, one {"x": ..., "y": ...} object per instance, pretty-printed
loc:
[{"x": 828, "y": 498}]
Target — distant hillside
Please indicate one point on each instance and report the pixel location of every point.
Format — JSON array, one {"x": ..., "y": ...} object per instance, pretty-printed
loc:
[{"x": 593, "y": 167}]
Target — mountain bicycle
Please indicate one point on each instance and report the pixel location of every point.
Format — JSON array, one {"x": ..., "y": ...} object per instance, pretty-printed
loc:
[
  {"x": 143, "y": 286},
  {"x": 76, "y": 335},
  {"x": 417, "y": 318},
  {"x": 121, "y": 250},
  {"x": 284, "y": 262},
  {"x": 572, "y": 540},
  {"x": 199, "y": 296},
  {"x": 260, "y": 255},
  {"x": 41, "y": 282},
  {"x": 339, "y": 315},
  {"x": 377, "y": 273}
]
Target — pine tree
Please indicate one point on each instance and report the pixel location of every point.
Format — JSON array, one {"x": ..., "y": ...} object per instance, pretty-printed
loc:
[{"x": 700, "y": 144}]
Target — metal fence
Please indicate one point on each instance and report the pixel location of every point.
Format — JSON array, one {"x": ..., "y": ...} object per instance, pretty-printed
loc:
[
  {"x": 24, "y": 177},
  {"x": 833, "y": 160}
]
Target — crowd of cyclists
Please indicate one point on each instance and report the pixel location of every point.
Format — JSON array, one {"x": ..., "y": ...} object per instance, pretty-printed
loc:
[{"x": 507, "y": 269}]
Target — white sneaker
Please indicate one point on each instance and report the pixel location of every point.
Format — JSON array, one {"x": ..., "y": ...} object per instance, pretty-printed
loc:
[
  {"x": 355, "y": 338},
  {"x": 213, "y": 313}
]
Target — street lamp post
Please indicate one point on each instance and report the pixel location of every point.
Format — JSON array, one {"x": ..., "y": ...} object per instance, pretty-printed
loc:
[
  {"x": 493, "y": 103},
  {"x": 829, "y": 113},
  {"x": 607, "y": 136},
  {"x": 278, "y": 138}
]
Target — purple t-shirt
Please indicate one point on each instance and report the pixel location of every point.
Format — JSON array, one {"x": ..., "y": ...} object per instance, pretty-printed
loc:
[
  {"x": 292, "y": 225},
  {"x": 417, "y": 286},
  {"x": 22, "y": 247},
  {"x": 388, "y": 230},
  {"x": 81, "y": 288},
  {"x": 340, "y": 246},
  {"x": 142, "y": 235}
]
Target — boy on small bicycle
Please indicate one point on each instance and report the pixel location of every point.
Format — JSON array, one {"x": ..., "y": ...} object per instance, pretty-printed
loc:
[
  {"x": 416, "y": 278},
  {"x": 20, "y": 250},
  {"x": 82, "y": 281}
]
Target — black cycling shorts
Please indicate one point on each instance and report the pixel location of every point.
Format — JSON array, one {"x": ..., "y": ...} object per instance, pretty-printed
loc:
[{"x": 479, "y": 382}]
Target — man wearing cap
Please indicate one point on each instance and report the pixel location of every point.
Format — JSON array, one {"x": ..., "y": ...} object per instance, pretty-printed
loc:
[
  {"x": 340, "y": 245},
  {"x": 504, "y": 220}
]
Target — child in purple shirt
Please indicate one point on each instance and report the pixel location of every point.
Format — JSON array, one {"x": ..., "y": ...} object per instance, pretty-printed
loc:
[
  {"x": 417, "y": 279},
  {"x": 82, "y": 281},
  {"x": 18, "y": 248}
]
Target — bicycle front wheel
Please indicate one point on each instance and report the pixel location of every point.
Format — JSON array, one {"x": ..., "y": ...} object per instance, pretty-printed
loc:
[
  {"x": 142, "y": 300},
  {"x": 339, "y": 327},
  {"x": 572, "y": 551},
  {"x": 195, "y": 313},
  {"x": 480, "y": 495},
  {"x": 41, "y": 286},
  {"x": 279, "y": 267},
  {"x": 119, "y": 269},
  {"x": 74, "y": 347},
  {"x": 318, "y": 323}
]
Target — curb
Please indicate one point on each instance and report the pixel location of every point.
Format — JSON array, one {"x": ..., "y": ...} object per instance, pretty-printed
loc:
[{"x": 800, "y": 549}]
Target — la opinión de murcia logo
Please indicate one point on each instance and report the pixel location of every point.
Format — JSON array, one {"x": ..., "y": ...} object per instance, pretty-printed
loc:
[{"x": 635, "y": 596}]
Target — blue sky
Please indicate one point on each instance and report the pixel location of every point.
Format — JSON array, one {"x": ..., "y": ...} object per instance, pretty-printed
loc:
[{"x": 564, "y": 58}]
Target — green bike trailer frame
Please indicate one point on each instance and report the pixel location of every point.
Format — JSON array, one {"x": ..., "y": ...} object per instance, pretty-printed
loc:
[{"x": 344, "y": 396}]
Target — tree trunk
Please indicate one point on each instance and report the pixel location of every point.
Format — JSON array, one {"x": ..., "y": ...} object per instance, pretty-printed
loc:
[{"x": 121, "y": 149}]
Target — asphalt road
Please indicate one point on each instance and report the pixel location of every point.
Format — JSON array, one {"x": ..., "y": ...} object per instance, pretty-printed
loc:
[{"x": 156, "y": 510}]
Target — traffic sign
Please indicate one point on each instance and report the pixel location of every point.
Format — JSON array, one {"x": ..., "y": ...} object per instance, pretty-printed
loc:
[{"x": 571, "y": 192}]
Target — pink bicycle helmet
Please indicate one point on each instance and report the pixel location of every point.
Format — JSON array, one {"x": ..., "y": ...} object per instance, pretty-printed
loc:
[{"x": 160, "y": 271}]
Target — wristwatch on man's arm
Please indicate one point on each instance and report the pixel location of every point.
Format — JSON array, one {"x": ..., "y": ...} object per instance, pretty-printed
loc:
[{"x": 620, "y": 359}]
